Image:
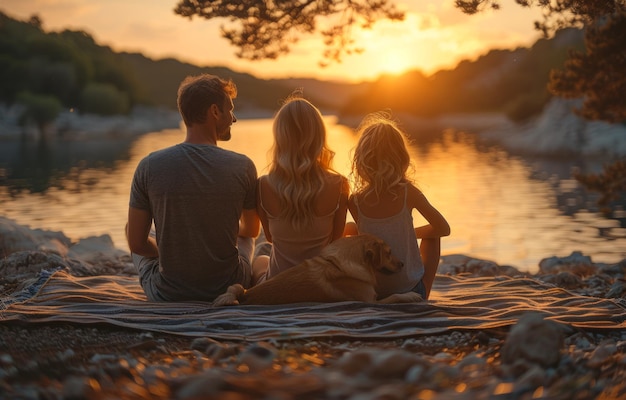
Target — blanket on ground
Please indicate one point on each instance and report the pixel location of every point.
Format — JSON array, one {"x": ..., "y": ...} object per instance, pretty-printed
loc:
[{"x": 457, "y": 303}]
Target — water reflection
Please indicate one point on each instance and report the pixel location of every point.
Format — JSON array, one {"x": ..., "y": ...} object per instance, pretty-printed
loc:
[
  {"x": 500, "y": 207},
  {"x": 36, "y": 166}
]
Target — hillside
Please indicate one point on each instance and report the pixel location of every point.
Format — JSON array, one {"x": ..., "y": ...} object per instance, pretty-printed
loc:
[
  {"x": 160, "y": 79},
  {"x": 52, "y": 71},
  {"x": 506, "y": 81}
]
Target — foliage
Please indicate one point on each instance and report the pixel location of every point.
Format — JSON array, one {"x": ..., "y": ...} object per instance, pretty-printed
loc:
[
  {"x": 599, "y": 75},
  {"x": 611, "y": 182},
  {"x": 40, "y": 109},
  {"x": 58, "y": 65},
  {"x": 265, "y": 29},
  {"x": 104, "y": 99}
]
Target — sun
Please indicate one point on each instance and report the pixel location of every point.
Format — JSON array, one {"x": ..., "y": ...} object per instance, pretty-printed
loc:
[
  {"x": 391, "y": 47},
  {"x": 395, "y": 61}
]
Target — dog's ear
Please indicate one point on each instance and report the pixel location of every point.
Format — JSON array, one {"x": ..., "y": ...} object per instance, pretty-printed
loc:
[{"x": 374, "y": 253}]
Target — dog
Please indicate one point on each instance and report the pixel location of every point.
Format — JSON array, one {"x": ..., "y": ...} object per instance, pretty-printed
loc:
[{"x": 343, "y": 271}]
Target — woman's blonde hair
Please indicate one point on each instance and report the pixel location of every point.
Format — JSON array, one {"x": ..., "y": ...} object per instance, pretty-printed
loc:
[
  {"x": 300, "y": 159},
  {"x": 381, "y": 158}
]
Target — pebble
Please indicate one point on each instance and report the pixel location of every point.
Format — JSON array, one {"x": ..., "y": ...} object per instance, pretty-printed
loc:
[{"x": 533, "y": 340}]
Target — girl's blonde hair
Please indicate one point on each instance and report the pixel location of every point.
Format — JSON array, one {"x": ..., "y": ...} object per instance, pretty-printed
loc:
[
  {"x": 381, "y": 158},
  {"x": 300, "y": 159}
]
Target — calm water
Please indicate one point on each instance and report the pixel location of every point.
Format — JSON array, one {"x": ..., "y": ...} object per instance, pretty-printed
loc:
[{"x": 500, "y": 207}]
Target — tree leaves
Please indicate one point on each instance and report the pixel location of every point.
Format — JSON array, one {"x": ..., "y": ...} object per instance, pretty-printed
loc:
[{"x": 267, "y": 29}]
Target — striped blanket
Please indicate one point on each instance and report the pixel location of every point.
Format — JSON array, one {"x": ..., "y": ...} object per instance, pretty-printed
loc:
[{"x": 457, "y": 303}]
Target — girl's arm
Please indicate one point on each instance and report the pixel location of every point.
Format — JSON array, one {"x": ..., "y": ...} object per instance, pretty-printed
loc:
[
  {"x": 437, "y": 225},
  {"x": 339, "y": 221}
]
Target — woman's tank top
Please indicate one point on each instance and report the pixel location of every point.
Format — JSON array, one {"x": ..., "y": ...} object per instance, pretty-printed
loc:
[
  {"x": 290, "y": 248},
  {"x": 399, "y": 233}
]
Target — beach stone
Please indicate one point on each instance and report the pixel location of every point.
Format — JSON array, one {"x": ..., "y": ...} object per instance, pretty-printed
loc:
[
  {"x": 378, "y": 363},
  {"x": 456, "y": 264},
  {"x": 482, "y": 267},
  {"x": 213, "y": 349},
  {"x": 98, "y": 251},
  {"x": 14, "y": 238},
  {"x": 533, "y": 340},
  {"x": 617, "y": 290},
  {"x": 471, "y": 362},
  {"x": 602, "y": 354},
  {"x": 24, "y": 265},
  {"x": 532, "y": 378},
  {"x": 391, "y": 364},
  {"x": 258, "y": 357},
  {"x": 564, "y": 279},
  {"x": 201, "y": 386},
  {"x": 576, "y": 263},
  {"x": 77, "y": 388},
  {"x": 617, "y": 269}
]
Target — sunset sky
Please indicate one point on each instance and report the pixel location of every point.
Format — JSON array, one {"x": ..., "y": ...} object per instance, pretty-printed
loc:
[{"x": 434, "y": 35}]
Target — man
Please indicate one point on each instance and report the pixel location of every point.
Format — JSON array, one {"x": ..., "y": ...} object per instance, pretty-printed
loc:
[{"x": 202, "y": 199}]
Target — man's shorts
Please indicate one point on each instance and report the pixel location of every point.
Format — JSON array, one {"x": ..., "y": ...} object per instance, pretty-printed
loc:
[{"x": 150, "y": 276}]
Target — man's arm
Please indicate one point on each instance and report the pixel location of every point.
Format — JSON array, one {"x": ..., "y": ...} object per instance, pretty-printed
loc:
[
  {"x": 138, "y": 233},
  {"x": 249, "y": 223}
]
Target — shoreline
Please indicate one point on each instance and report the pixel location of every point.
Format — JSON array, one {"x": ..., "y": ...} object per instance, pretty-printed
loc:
[{"x": 71, "y": 125}]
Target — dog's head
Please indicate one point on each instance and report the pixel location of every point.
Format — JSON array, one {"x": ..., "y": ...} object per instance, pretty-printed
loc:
[{"x": 378, "y": 256}]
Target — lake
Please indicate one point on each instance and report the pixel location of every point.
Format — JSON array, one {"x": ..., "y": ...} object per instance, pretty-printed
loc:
[{"x": 500, "y": 207}]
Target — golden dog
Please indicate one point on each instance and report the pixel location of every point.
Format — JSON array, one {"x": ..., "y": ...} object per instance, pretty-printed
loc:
[{"x": 344, "y": 271}]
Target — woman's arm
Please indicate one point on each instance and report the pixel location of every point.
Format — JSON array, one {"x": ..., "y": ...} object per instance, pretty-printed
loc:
[
  {"x": 339, "y": 221},
  {"x": 260, "y": 210}
]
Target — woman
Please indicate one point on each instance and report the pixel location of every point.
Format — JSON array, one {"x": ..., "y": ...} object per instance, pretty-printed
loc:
[{"x": 302, "y": 202}]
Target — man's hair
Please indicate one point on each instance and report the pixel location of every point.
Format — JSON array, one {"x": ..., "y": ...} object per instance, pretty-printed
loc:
[{"x": 197, "y": 93}]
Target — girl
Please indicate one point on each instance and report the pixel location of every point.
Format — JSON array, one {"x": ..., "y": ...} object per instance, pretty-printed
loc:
[
  {"x": 383, "y": 202},
  {"x": 302, "y": 202}
]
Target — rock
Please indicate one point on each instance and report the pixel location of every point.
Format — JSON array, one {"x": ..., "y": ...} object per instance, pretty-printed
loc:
[
  {"x": 560, "y": 131},
  {"x": 14, "y": 238},
  {"x": 575, "y": 263},
  {"x": 23, "y": 265},
  {"x": 617, "y": 290},
  {"x": 602, "y": 354},
  {"x": 372, "y": 363},
  {"x": 97, "y": 250},
  {"x": 456, "y": 264},
  {"x": 533, "y": 340},
  {"x": 213, "y": 349},
  {"x": 206, "y": 385},
  {"x": 564, "y": 279},
  {"x": 77, "y": 388},
  {"x": 258, "y": 357}
]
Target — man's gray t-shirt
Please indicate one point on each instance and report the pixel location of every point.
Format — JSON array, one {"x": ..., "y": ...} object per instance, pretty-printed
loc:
[{"x": 195, "y": 194}]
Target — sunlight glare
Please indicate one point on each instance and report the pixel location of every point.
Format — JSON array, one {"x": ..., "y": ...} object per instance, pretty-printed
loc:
[{"x": 396, "y": 61}]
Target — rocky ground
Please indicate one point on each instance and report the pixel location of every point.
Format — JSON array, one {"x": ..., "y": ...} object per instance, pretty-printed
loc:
[
  {"x": 87, "y": 362},
  {"x": 536, "y": 358}
]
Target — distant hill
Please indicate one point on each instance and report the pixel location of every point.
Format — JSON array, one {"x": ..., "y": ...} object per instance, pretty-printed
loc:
[
  {"x": 160, "y": 80},
  {"x": 68, "y": 69},
  {"x": 513, "y": 82}
]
